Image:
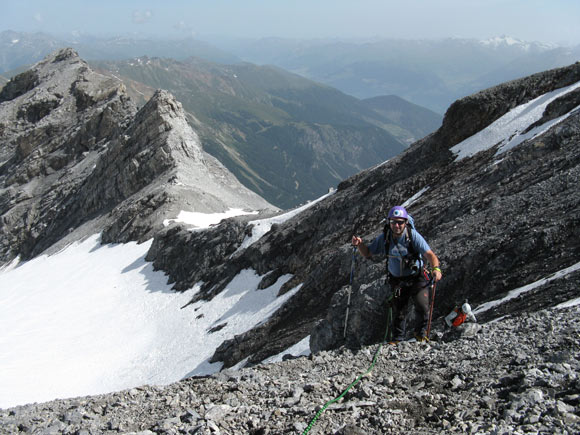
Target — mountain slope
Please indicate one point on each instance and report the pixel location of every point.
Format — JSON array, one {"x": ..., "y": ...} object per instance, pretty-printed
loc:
[
  {"x": 497, "y": 222},
  {"x": 74, "y": 152},
  {"x": 405, "y": 115},
  {"x": 285, "y": 137}
]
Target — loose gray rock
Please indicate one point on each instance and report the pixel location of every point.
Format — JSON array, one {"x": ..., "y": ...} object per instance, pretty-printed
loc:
[{"x": 459, "y": 386}]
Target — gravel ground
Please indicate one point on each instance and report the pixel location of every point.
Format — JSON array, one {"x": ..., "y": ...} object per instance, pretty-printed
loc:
[{"x": 516, "y": 375}]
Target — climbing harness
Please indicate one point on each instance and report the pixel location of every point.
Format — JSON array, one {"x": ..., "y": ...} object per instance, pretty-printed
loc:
[
  {"x": 352, "y": 264},
  {"x": 357, "y": 380}
]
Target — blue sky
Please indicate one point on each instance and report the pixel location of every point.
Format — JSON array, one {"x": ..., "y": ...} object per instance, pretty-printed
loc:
[{"x": 553, "y": 21}]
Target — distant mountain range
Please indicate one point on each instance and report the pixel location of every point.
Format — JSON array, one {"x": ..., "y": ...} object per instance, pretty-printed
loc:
[
  {"x": 430, "y": 73},
  {"x": 285, "y": 137},
  {"x": 20, "y": 49}
]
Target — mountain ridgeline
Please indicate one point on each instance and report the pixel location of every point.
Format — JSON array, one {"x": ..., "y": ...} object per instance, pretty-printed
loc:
[
  {"x": 497, "y": 223},
  {"x": 431, "y": 73},
  {"x": 285, "y": 137},
  {"x": 76, "y": 158}
]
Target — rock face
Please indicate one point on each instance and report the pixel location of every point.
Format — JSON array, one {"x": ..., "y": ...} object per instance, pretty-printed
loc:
[
  {"x": 74, "y": 152},
  {"x": 519, "y": 375},
  {"x": 497, "y": 223},
  {"x": 54, "y": 121}
]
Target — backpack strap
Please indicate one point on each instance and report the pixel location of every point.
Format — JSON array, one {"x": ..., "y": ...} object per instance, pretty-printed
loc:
[
  {"x": 412, "y": 254},
  {"x": 408, "y": 237}
]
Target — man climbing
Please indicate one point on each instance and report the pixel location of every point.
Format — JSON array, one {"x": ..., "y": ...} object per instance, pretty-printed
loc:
[{"x": 406, "y": 273}]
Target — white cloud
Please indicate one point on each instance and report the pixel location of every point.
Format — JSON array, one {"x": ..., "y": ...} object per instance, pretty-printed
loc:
[
  {"x": 141, "y": 17},
  {"x": 184, "y": 28}
]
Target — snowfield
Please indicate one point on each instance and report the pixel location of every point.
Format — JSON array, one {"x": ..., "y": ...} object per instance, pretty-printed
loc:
[{"x": 95, "y": 318}]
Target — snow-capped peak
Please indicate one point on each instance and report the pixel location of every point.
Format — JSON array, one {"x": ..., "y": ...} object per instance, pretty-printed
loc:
[{"x": 510, "y": 41}]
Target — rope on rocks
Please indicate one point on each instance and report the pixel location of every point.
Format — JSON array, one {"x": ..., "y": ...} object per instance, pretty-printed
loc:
[{"x": 357, "y": 380}]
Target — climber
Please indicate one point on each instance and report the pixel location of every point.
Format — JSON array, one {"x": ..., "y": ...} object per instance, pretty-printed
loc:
[{"x": 406, "y": 272}]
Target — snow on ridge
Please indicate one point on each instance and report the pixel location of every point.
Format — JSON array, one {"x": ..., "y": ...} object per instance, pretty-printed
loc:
[
  {"x": 415, "y": 197},
  {"x": 500, "y": 40},
  {"x": 507, "y": 131},
  {"x": 510, "y": 41},
  {"x": 262, "y": 226},
  {"x": 205, "y": 220},
  {"x": 512, "y": 294}
]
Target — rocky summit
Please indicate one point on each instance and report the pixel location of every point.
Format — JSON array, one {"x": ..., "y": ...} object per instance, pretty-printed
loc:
[
  {"x": 76, "y": 156},
  {"x": 516, "y": 376}
]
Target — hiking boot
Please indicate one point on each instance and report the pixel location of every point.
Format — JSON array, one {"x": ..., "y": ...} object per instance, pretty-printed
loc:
[{"x": 421, "y": 338}]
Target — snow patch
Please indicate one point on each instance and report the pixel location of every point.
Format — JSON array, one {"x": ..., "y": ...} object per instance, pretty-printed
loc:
[
  {"x": 302, "y": 348},
  {"x": 262, "y": 226},
  {"x": 507, "y": 131},
  {"x": 570, "y": 303},
  {"x": 205, "y": 220},
  {"x": 415, "y": 197},
  {"x": 512, "y": 294}
]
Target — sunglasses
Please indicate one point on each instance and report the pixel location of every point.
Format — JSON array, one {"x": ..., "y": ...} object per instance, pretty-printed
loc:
[{"x": 401, "y": 222}]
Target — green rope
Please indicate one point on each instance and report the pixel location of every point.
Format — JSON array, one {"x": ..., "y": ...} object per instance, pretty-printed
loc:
[{"x": 357, "y": 380}]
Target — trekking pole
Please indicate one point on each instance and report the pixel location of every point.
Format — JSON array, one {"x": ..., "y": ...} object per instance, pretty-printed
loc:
[
  {"x": 433, "y": 286},
  {"x": 349, "y": 290}
]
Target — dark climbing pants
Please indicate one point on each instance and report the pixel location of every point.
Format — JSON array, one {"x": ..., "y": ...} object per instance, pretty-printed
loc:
[{"x": 403, "y": 289}]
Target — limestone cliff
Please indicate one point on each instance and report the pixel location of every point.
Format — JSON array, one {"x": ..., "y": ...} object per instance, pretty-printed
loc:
[{"x": 75, "y": 156}]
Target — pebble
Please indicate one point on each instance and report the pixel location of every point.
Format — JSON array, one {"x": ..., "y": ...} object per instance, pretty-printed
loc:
[{"x": 413, "y": 389}]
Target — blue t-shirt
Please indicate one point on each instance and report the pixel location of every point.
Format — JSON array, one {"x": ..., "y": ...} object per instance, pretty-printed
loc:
[{"x": 398, "y": 249}]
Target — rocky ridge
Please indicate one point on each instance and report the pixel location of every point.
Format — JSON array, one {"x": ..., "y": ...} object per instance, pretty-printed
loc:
[
  {"x": 497, "y": 223},
  {"x": 77, "y": 157},
  {"x": 518, "y": 375},
  {"x": 284, "y": 137}
]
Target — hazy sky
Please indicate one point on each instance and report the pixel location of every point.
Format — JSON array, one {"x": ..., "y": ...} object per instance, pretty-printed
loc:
[{"x": 531, "y": 20}]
